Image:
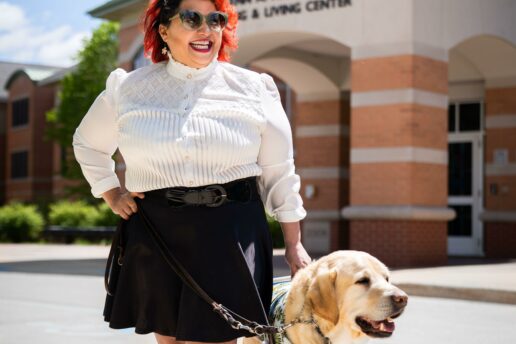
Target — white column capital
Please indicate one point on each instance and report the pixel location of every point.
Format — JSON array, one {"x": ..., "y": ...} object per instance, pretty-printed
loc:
[{"x": 399, "y": 48}]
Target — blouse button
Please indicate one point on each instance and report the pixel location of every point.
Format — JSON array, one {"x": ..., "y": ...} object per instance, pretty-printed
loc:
[
  {"x": 189, "y": 76},
  {"x": 191, "y": 182}
]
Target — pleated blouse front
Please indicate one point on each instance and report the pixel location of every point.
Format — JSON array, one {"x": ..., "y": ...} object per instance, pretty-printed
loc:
[{"x": 176, "y": 125}]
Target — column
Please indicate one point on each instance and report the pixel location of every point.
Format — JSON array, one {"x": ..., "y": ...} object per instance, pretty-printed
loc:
[
  {"x": 398, "y": 175},
  {"x": 499, "y": 216},
  {"x": 321, "y": 141}
]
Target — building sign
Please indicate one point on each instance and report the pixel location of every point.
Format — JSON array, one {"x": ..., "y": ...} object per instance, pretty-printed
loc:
[{"x": 258, "y": 9}]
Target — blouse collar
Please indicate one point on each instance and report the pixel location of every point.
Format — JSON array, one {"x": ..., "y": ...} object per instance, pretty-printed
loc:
[{"x": 185, "y": 72}]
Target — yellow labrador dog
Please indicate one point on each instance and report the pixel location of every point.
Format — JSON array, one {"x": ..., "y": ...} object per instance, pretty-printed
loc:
[{"x": 344, "y": 297}]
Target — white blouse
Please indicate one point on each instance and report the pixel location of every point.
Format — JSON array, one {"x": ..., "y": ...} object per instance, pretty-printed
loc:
[{"x": 176, "y": 125}]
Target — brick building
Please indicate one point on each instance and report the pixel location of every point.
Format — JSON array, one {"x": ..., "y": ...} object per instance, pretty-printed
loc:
[
  {"x": 30, "y": 91},
  {"x": 403, "y": 115}
]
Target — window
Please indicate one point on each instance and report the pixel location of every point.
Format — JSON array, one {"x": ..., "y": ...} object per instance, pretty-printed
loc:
[
  {"x": 20, "y": 165},
  {"x": 460, "y": 169},
  {"x": 451, "y": 118},
  {"x": 461, "y": 225},
  {"x": 469, "y": 119},
  {"x": 140, "y": 60},
  {"x": 465, "y": 116},
  {"x": 20, "y": 112}
]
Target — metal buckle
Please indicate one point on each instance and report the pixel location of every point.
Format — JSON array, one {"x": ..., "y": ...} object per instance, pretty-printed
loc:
[{"x": 222, "y": 197}]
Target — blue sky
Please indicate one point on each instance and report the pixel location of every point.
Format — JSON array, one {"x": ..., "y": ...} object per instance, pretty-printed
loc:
[{"x": 48, "y": 32}]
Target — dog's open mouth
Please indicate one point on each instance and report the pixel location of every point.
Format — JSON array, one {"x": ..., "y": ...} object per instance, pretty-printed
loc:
[{"x": 377, "y": 328}]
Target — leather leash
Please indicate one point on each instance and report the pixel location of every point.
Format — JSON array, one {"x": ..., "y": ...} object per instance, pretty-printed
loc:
[
  {"x": 116, "y": 245},
  {"x": 265, "y": 332}
]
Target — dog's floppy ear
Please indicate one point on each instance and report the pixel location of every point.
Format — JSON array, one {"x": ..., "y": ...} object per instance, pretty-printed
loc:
[{"x": 322, "y": 295}]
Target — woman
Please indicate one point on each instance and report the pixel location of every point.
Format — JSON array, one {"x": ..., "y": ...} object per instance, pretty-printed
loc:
[{"x": 193, "y": 122}]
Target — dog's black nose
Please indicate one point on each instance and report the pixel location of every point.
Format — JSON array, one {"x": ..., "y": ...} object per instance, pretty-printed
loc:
[{"x": 399, "y": 300}]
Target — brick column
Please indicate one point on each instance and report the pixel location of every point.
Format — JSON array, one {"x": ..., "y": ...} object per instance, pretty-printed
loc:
[
  {"x": 500, "y": 174},
  {"x": 398, "y": 185},
  {"x": 321, "y": 141}
]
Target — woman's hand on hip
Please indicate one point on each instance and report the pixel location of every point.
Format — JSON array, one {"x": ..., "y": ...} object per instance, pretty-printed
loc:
[{"x": 122, "y": 203}]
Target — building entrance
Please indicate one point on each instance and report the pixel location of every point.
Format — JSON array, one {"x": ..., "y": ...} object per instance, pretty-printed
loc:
[{"x": 465, "y": 151}]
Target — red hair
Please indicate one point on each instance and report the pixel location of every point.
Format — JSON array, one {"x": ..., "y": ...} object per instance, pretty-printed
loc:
[{"x": 156, "y": 13}]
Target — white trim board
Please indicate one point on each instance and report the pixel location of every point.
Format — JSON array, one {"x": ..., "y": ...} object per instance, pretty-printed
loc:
[
  {"x": 399, "y": 154},
  {"x": 399, "y": 96}
]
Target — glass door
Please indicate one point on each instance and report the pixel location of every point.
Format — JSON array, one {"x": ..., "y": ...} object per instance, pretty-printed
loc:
[{"x": 465, "y": 152}]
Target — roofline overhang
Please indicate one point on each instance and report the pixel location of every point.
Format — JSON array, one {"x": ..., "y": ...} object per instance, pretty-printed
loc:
[
  {"x": 107, "y": 10},
  {"x": 15, "y": 75}
]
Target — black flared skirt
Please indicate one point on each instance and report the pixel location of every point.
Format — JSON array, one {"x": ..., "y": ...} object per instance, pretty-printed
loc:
[{"x": 226, "y": 249}]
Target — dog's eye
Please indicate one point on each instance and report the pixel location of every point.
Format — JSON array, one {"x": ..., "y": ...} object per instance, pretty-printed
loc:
[
  {"x": 387, "y": 278},
  {"x": 363, "y": 281}
]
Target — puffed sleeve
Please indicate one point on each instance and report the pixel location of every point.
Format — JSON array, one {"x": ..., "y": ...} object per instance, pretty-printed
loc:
[
  {"x": 278, "y": 184},
  {"x": 95, "y": 139}
]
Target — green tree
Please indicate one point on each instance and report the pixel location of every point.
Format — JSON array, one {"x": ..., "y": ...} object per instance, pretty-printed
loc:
[{"x": 79, "y": 88}]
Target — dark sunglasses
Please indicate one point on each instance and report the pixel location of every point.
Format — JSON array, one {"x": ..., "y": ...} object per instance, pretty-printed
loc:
[{"x": 192, "y": 19}]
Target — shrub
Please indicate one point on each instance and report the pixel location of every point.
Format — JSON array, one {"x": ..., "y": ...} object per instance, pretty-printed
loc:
[
  {"x": 72, "y": 214},
  {"x": 105, "y": 216},
  {"x": 276, "y": 232},
  {"x": 20, "y": 222}
]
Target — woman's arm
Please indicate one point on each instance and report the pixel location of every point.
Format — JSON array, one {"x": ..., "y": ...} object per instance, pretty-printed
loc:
[
  {"x": 95, "y": 140},
  {"x": 279, "y": 184},
  {"x": 295, "y": 253}
]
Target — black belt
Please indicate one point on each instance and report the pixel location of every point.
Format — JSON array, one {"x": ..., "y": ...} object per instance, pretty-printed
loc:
[{"x": 213, "y": 195}]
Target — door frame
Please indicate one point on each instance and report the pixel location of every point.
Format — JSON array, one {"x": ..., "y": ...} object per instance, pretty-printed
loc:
[{"x": 458, "y": 245}]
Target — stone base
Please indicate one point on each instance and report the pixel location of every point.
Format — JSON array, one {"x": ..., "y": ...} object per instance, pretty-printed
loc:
[
  {"x": 401, "y": 243},
  {"x": 500, "y": 239},
  {"x": 325, "y": 236}
]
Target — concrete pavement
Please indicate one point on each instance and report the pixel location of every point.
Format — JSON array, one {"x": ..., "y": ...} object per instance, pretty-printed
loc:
[
  {"x": 52, "y": 294},
  {"x": 469, "y": 279}
]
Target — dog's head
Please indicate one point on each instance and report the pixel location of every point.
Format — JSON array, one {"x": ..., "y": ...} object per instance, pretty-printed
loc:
[{"x": 350, "y": 295}]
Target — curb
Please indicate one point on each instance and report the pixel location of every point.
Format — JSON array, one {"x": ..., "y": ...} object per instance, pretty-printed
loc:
[{"x": 471, "y": 294}]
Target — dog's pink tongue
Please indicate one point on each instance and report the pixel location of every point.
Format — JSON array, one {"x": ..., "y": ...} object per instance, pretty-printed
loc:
[{"x": 385, "y": 325}]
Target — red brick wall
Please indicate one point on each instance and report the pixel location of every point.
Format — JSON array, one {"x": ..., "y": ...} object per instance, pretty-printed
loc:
[
  {"x": 20, "y": 139},
  {"x": 42, "y": 148},
  {"x": 401, "y": 243},
  {"x": 500, "y": 101},
  {"x": 500, "y": 239},
  {"x": 126, "y": 37},
  {"x": 404, "y": 183},
  {"x": 32, "y": 137},
  {"x": 3, "y": 149}
]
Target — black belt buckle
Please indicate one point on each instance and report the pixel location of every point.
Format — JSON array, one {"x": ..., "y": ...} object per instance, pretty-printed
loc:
[
  {"x": 181, "y": 198},
  {"x": 221, "y": 198}
]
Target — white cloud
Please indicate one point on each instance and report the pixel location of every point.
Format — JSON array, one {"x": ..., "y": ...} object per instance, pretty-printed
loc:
[
  {"x": 22, "y": 41},
  {"x": 11, "y": 17},
  {"x": 55, "y": 51}
]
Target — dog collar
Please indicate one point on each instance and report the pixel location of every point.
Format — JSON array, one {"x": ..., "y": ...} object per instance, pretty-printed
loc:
[
  {"x": 298, "y": 320},
  {"x": 326, "y": 340}
]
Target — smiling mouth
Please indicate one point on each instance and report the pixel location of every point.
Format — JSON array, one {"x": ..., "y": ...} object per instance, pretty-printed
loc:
[
  {"x": 203, "y": 47},
  {"x": 379, "y": 329}
]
